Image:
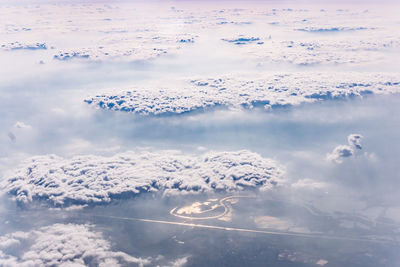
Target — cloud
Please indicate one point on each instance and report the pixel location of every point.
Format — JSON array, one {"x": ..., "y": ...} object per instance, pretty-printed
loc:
[
  {"x": 18, "y": 128},
  {"x": 153, "y": 35},
  {"x": 97, "y": 179},
  {"x": 355, "y": 140},
  {"x": 127, "y": 46},
  {"x": 23, "y": 46},
  {"x": 62, "y": 245},
  {"x": 333, "y": 29},
  {"x": 309, "y": 184},
  {"x": 242, "y": 40},
  {"x": 246, "y": 91},
  {"x": 179, "y": 262},
  {"x": 340, "y": 152},
  {"x": 345, "y": 151},
  {"x": 22, "y": 125},
  {"x": 311, "y": 52},
  {"x": 316, "y": 48},
  {"x": 144, "y": 39}
]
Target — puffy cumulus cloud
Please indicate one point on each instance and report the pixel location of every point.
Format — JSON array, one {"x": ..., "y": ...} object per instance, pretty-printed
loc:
[
  {"x": 340, "y": 152},
  {"x": 179, "y": 262},
  {"x": 247, "y": 91},
  {"x": 97, "y": 179},
  {"x": 345, "y": 151},
  {"x": 355, "y": 140},
  {"x": 62, "y": 245}
]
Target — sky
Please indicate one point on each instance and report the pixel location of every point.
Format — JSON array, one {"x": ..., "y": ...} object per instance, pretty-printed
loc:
[{"x": 274, "y": 100}]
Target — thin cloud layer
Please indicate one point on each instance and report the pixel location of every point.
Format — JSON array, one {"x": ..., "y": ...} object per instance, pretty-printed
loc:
[
  {"x": 62, "y": 245},
  {"x": 327, "y": 42},
  {"x": 309, "y": 184},
  {"x": 97, "y": 179}
]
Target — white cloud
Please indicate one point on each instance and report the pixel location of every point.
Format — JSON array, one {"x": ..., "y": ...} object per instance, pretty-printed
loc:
[
  {"x": 96, "y": 179},
  {"x": 62, "y": 245},
  {"x": 355, "y": 140},
  {"x": 178, "y": 262},
  {"x": 315, "y": 49},
  {"x": 309, "y": 184},
  {"x": 148, "y": 36},
  {"x": 23, "y": 46},
  {"x": 246, "y": 91},
  {"x": 22, "y": 125},
  {"x": 340, "y": 152},
  {"x": 345, "y": 151},
  {"x": 126, "y": 46},
  {"x": 145, "y": 38}
]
